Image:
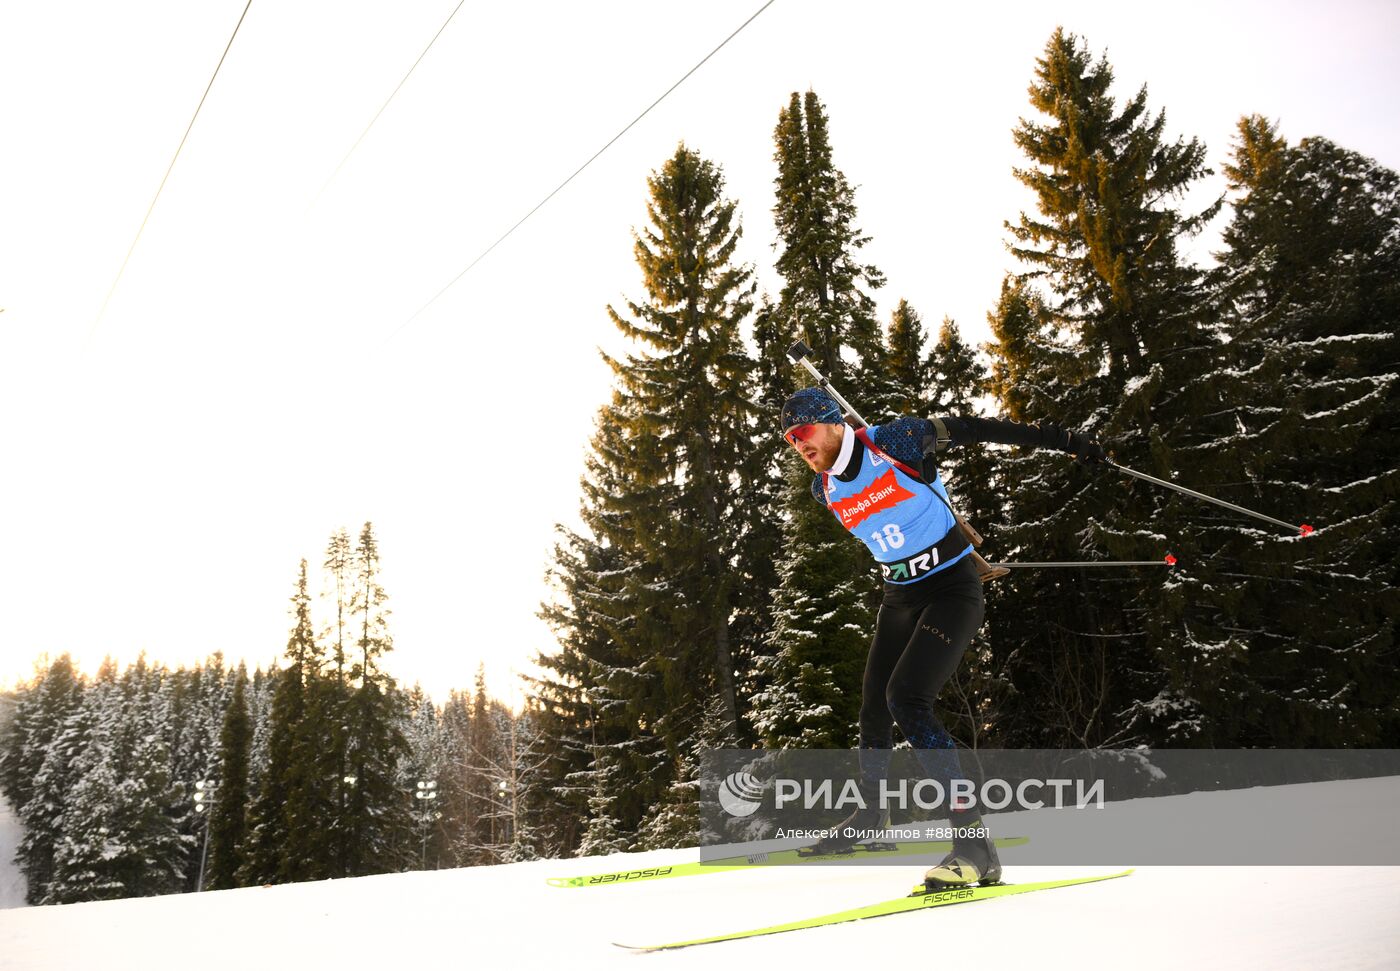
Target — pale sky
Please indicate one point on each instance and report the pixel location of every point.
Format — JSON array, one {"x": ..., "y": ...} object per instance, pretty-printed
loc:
[{"x": 252, "y": 386}]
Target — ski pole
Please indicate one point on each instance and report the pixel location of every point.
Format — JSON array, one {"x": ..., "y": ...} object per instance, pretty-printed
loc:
[
  {"x": 1168, "y": 560},
  {"x": 1304, "y": 529},
  {"x": 798, "y": 354}
]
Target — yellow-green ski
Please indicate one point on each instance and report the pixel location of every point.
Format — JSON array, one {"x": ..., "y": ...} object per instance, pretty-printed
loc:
[
  {"x": 921, "y": 899},
  {"x": 779, "y": 858}
]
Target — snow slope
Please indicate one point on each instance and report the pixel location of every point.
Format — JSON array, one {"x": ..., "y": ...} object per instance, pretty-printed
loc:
[
  {"x": 12, "y": 886},
  {"x": 508, "y": 917}
]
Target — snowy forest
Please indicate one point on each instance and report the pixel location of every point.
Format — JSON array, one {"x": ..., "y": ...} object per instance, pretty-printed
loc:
[
  {"x": 708, "y": 601},
  {"x": 150, "y": 781}
]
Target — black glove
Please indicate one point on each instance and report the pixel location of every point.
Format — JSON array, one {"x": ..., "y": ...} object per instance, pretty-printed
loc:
[
  {"x": 1078, "y": 444},
  {"x": 1085, "y": 448}
]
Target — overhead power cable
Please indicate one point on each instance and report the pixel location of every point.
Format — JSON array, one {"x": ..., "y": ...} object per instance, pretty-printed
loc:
[
  {"x": 392, "y": 94},
  {"x": 166, "y": 177},
  {"x": 577, "y": 171}
]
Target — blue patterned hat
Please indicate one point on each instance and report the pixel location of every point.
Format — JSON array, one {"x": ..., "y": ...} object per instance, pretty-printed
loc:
[{"x": 810, "y": 406}]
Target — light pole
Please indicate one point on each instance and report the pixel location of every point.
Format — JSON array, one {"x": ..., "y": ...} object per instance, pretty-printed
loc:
[
  {"x": 505, "y": 787},
  {"x": 426, "y": 794},
  {"x": 203, "y": 792}
]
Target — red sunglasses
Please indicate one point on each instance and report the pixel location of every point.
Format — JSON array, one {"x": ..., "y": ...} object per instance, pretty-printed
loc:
[{"x": 800, "y": 433}]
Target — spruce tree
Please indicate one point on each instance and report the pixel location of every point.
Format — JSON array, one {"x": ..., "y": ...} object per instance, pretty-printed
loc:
[
  {"x": 376, "y": 812},
  {"x": 42, "y": 816},
  {"x": 685, "y": 401},
  {"x": 227, "y": 823},
  {"x": 44, "y": 704},
  {"x": 565, "y": 693},
  {"x": 454, "y": 797},
  {"x": 662, "y": 503},
  {"x": 160, "y": 851},
  {"x": 339, "y": 567},
  {"x": 1310, "y": 405},
  {"x": 194, "y": 702},
  {"x": 1115, "y": 328},
  {"x": 200, "y": 703},
  {"x": 826, "y": 289},
  {"x": 1105, "y": 241},
  {"x": 606, "y": 832},
  {"x": 422, "y": 774},
  {"x": 482, "y": 838},
  {"x": 823, "y": 606},
  {"x": 36, "y": 766},
  {"x": 583, "y": 717},
  {"x": 907, "y": 363},
  {"x": 332, "y": 699},
  {"x": 316, "y": 822},
  {"x": 118, "y": 835},
  {"x": 261, "y": 688},
  {"x": 272, "y": 855},
  {"x": 90, "y": 829}
]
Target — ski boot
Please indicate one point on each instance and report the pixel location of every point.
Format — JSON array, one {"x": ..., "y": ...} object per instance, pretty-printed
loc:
[
  {"x": 973, "y": 861},
  {"x": 852, "y": 831}
]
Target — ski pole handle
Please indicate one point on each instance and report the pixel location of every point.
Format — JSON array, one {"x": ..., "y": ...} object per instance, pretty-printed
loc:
[
  {"x": 799, "y": 353},
  {"x": 1304, "y": 529}
]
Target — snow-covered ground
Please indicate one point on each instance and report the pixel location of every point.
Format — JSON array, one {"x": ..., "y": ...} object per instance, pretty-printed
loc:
[
  {"x": 11, "y": 880},
  {"x": 508, "y": 917}
]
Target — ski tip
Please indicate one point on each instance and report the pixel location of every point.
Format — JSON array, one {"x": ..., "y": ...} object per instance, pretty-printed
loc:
[
  {"x": 1169, "y": 560},
  {"x": 564, "y": 881},
  {"x": 1306, "y": 530}
]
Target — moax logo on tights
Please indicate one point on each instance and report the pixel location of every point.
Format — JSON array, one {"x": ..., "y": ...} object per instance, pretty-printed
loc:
[{"x": 884, "y": 493}]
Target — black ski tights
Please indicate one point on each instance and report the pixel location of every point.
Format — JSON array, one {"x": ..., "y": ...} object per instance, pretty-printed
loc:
[{"x": 920, "y": 637}]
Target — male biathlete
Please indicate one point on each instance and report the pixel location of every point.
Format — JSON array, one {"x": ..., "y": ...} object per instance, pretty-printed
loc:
[{"x": 882, "y": 485}]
